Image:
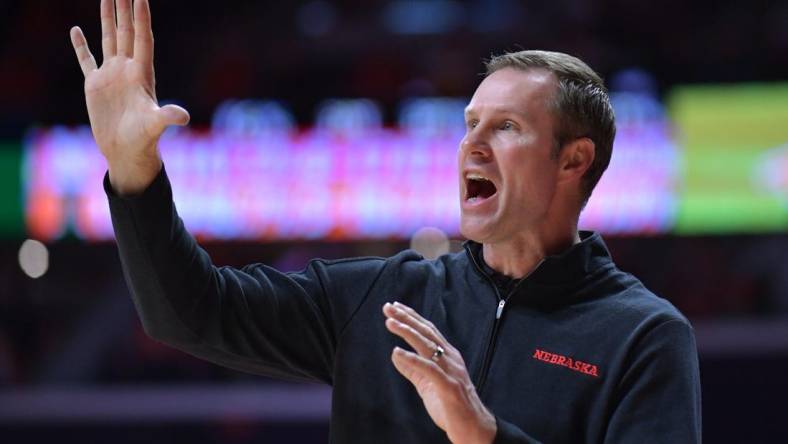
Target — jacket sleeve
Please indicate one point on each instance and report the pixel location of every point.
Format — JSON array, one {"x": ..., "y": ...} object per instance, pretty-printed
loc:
[
  {"x": 659, "y": 397},
  {"x": 255, "y": 319},
  {"x": 508, "y": 433}
]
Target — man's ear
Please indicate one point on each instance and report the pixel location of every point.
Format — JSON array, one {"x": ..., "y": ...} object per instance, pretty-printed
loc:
[{"x": 575, "y": 159}]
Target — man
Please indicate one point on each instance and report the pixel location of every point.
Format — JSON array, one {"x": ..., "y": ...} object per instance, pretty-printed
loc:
[{"x": 531, "y": 334}]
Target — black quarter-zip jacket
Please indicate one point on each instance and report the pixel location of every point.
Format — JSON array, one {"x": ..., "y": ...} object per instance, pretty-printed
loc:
[{"x": 578, "y": 351}]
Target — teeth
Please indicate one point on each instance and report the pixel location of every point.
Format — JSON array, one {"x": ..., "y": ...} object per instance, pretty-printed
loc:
[{"x": 474, "y": 176}]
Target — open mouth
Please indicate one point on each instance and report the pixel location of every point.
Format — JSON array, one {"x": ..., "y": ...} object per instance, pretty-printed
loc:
[{"x": 478, "y": 188}]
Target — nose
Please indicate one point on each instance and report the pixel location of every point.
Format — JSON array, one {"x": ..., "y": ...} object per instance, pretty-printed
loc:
[{"x": 475, "y": 144}]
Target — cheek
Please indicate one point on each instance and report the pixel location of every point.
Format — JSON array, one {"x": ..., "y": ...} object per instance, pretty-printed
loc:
[
  {"x": 533, "y": 175},
  {"x": 527, "y": 139}
]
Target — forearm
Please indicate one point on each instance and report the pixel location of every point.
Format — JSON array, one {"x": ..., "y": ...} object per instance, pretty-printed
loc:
[
  {"x": 238, "y": 318},
  {"x": 154, "y": 252}
]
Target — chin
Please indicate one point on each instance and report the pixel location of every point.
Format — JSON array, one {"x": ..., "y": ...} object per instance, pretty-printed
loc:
[{"x": 476, "y": 231}]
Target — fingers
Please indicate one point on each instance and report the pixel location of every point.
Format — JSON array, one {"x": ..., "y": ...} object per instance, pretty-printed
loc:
[
  {"x": 174, "y": 115},
  {"x": 108, "y": 37},
  {"x": 86, "y": 60},
  {"x": 165, "y": 116},
  {"x": 423, "y": 337},
  {"x": 419, "y": 370},
  {"x": 409, "y": 316},
  {"x": 415, "y": 315},
  {"x": 125, "y": 29},
  {"x": 422, "y": 345},
  {"x": 143, "y": 34},
  {"x": 156, "y": 122}
]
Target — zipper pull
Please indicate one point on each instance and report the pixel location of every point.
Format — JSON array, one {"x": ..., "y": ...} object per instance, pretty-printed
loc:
[{"x": 500, "y": 309}]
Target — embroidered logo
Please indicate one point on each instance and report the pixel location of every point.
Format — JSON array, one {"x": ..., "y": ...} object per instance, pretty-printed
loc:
[{"x": 572, "y": 364}]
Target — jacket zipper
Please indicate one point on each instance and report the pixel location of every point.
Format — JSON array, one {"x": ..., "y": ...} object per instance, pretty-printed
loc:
[
  {"x": 496, "y": 323},
  {"x": 488, "y": 353}
]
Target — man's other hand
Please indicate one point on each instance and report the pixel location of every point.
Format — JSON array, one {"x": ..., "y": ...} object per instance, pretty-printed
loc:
[{"x": 438, "y": 372}]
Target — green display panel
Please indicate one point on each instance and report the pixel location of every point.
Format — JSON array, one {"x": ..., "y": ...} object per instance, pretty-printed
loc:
[
  {"x": 11, "y": 219},
  {"x": 735, "y": 142}
]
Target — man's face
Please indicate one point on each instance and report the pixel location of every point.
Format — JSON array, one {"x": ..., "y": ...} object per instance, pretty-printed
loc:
[{"x": 507, "y": 174}]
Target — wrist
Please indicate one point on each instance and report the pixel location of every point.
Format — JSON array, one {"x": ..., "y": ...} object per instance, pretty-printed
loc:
[
  {"x": 487, "y": 428},
  {"x": 482, "y": 431},
  {"x": 133, "y": 177}
]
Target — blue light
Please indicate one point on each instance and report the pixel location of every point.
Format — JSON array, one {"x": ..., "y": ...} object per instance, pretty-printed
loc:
[
  {"x": 348, "y": 116},
  {"x": 252, "y": 118}
]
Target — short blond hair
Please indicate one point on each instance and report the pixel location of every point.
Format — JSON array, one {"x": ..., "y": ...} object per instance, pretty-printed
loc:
[{"x": 581, "y": 105}]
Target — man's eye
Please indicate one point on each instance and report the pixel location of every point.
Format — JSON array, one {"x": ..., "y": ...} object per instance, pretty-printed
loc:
[
  {"x": 472, "y": 123},
  {"x": 507, "y": 126}
]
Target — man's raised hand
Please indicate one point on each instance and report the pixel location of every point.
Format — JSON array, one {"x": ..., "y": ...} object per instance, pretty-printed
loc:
[{"x": 126, "y": 119}]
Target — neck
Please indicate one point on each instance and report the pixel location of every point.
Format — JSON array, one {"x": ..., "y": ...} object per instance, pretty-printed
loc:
[{"x": 519, "y": 256}]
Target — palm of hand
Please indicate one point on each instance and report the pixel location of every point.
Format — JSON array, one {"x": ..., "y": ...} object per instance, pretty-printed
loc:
[
  {"x": 431, "y": 397},
  {"x": 121, "y": 104}
]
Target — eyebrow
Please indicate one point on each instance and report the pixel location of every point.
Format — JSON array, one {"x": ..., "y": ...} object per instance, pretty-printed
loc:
[{"x": 495, "y": 109}]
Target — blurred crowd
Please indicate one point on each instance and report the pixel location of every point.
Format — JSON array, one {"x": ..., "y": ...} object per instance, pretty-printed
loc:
[{"x": 303, "y": 52}]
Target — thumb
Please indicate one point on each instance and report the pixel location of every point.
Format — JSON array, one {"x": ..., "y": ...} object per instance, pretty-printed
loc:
[{"x": 172, "y": 115}]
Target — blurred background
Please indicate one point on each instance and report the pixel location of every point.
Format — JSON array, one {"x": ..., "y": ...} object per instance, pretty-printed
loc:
[{"x": 329, "y": 129}]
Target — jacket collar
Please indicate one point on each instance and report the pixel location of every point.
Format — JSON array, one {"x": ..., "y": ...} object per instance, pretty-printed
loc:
[{"x": 557, "y": 278}]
